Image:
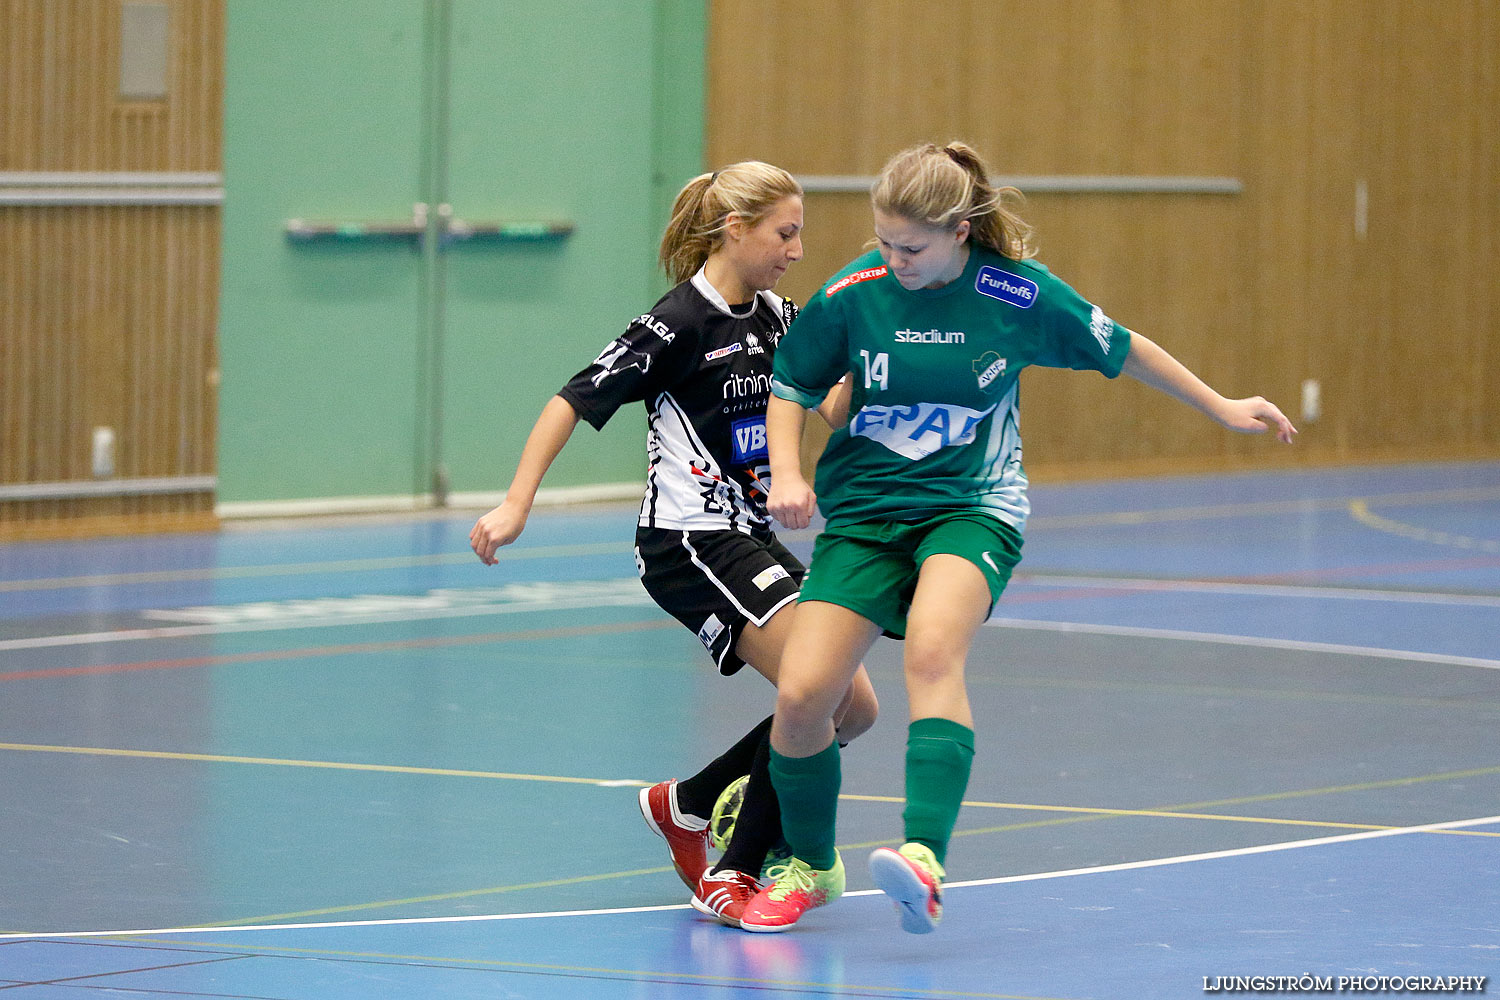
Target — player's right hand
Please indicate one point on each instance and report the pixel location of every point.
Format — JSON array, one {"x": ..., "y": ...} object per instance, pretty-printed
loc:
[
  {"x": 499, "y": 527},
  {"x": 792, "y": 502}
]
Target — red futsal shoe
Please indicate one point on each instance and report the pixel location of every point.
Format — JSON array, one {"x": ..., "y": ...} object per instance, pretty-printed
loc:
[
  {"x": 686, "y": 836},
  {"x": 724, "y": 895}
]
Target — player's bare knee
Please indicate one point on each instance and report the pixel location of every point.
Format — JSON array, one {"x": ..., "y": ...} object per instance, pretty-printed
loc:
[
  {"x": 802, "y": 705},
  {"x": 929, "y": 664},
  {"x": 857, "y": 715}
]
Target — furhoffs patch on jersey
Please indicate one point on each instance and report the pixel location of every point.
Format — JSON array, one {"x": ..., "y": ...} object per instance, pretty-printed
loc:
[{"x": 1006, "y": 287}]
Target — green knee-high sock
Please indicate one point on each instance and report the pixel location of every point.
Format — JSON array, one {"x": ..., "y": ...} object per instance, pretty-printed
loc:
[
  {"x": 939, "y": 753},
  {"x": 808, "y": 788}
]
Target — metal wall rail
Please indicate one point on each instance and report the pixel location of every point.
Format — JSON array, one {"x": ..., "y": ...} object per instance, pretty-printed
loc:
[
  {"x": 1052, "y": 183},
  {"x": 106, "y": 188},
  {"x": 108, "y": 488}
]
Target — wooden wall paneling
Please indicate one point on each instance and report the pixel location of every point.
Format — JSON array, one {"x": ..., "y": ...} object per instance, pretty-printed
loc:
[
  {"x": 110, "y": 311},
  {"x": 1428, "y": 262},
  {"x": 1039, "y": 88},
  {"x": 1257, "y": 292}
]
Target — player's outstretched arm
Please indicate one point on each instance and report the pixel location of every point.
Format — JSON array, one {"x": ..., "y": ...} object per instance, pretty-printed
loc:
[
  {"x": 1147, "y": 362},
  {"x": 792, "y": 501},
  {"x": 504, "y": 524}
]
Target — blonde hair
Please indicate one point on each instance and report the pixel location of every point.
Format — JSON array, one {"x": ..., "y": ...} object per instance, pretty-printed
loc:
[
  {"x": 700, "y": 215},
  {"x": 941, "y": 186}
]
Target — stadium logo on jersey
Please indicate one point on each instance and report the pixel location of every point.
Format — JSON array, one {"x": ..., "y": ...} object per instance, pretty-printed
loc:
[
  {"x": 854, "y": 279},
  {"x": 619, "y": 356},
  {"x": 929, "y": 336},
  {"x": 919, "y": 430},
  {"x": 1006, "y": 287},
  {"x": 1102, "y": 327},
  {"x": 749, "y": 439},
  {"x": 752, "y": 344},
  {"x": 990, "y": 367},
  {"x": 656, "y": 326},
  {"x": 723, "y": 352}
]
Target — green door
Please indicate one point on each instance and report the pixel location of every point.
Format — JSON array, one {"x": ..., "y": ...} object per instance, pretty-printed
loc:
[{"x": 410, "y": 355}]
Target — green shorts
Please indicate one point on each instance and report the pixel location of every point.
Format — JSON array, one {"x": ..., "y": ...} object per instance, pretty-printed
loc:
[{"x": 871, "y": 567}]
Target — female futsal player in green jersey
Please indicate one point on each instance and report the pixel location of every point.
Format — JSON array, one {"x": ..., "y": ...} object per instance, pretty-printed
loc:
[{"x": 924, "y": 495}]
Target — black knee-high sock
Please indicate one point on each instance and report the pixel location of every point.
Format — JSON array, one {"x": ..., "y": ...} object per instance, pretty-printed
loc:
[
  {"x": 759, "y": 823},
  {"x": 697, "y": 795}
]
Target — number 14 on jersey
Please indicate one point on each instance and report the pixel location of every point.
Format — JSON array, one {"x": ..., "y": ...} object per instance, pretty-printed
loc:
[{"x": 877, "y": 369}]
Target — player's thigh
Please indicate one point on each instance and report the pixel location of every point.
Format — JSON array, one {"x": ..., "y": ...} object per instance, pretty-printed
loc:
[
  {"x": 951, "y": 602},
  {"x": 822, "y": 656},
  {"x": 763, "y": 647}
]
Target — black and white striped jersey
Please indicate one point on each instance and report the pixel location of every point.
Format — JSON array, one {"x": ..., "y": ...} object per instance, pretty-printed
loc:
[{"x": 703, "y": 369}]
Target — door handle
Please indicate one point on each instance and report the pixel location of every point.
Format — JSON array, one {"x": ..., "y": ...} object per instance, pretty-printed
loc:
[{"x": 449, "y": 230}]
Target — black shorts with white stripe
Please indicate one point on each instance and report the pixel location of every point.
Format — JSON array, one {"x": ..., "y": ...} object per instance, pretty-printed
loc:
[{"x": 715, "y": 582}]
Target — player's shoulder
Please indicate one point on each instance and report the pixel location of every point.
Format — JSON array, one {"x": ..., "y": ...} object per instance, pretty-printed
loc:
[
  {"x": 1020, "y": 283},
  {"x": 785, "y": 310},
  {"x": 860, "y": 276},
  {"x": 679, "y": 312}
]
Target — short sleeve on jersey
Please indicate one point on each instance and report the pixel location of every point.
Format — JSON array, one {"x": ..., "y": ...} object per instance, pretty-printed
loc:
[
  {"x": 811, "y": 357},
  {"x": 1077, "y": 333},
  {"x": 635, "y": 365}
]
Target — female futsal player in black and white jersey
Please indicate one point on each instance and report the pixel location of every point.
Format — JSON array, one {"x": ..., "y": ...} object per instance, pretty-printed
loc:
[{"x": 701, "y": 362}]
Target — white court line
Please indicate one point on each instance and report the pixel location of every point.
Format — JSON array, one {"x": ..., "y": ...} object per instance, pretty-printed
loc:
[
  {"x": 633, "y": 596},
  {"x": 292, "y": 624},
  {"x": 1300, "y": 591},
  {"x": 1262, "y": 642},
  {"x": 1004, "y": 880},
  {"x": 1237, "y": 852}
]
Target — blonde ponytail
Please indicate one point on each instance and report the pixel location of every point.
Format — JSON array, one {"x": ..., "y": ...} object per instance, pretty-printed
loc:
[
  {"x": 941, "y": 186},
  {"x": 700, "y": 215}
]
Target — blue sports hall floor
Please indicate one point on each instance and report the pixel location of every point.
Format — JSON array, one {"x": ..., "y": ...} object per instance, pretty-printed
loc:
[{"x": 1228, "y": 727}]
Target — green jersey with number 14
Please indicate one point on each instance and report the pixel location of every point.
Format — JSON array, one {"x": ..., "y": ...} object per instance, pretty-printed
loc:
[{"x": 934, "y": 416}]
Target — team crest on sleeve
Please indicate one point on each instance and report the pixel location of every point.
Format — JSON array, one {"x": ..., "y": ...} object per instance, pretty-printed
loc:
[
  {"x": 619, "y": 356},
  {"x": 989, "y": 368},
  {"x": 1102, "y": 327},
  {"x": 1012, "y": 288}
]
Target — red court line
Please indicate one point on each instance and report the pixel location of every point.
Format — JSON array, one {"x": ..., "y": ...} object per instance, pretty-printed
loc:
[{"x": 345, "y": 649}]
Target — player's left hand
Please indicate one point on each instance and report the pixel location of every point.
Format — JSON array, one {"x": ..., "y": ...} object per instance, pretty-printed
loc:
[{"x": 1256, "y": 415}]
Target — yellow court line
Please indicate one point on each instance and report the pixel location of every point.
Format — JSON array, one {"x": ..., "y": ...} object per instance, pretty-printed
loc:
[
  {"x": 1170, "y": 812},
  {"x": 1079, "y": 814},
  {"x": 333, "y": 765},
  {"x": 1360, "y": 511},
  {"x": 441, "y": 897},
  {"x": 836, "y": 989},
  {"x": 1101, "y": 812},
  {"x": 1363, "y": 786}
]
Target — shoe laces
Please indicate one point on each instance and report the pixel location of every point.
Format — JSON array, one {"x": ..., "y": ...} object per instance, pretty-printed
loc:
[
  {"x": 924, "y": 859},
  {"x": 791, "y": 876}
]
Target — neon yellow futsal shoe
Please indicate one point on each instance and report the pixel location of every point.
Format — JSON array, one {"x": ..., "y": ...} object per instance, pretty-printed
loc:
[
  {"x": 913, "y": 879},
  {"x": 727, "y": 813},
  {"x": 797, "y": 889}
]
